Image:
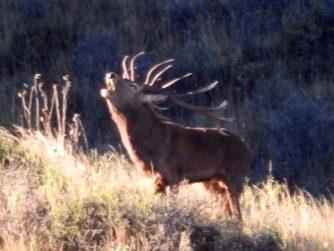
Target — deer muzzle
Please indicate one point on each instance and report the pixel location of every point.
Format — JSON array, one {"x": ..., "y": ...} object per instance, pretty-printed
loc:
[{"x": 105, "y": 93}]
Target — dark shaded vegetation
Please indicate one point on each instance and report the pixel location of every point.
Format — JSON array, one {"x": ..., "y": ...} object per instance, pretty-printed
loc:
[{"x": 274, "y": 58}]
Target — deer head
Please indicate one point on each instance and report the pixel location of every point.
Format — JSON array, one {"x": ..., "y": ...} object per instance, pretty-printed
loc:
[{"x": 124, "y": 92}]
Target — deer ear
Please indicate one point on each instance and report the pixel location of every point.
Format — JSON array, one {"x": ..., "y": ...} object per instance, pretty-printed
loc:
[{"x": 153, "y": 98}]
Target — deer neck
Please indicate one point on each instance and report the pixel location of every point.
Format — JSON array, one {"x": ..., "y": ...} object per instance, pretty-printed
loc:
[{"x": 140, "y": 130}]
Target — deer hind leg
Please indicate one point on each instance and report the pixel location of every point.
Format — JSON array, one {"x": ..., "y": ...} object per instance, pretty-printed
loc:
[
  {"x": 220, "y": 186},
  {"x": 234, "y": 205},
  {"x": 160, "y": 185},
  {"x": 215, "y": 186}
]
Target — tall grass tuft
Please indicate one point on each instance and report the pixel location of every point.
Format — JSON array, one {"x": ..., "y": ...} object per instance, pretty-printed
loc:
[{"x": 301, "y": 221}]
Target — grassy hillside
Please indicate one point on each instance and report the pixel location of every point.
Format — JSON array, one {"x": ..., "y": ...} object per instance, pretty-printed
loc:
[
  {"x": 273, "y": 58},
  {"x": 53, "y": 200}
]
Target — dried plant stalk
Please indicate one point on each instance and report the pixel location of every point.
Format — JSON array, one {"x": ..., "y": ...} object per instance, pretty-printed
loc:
[
  {"x": 83, "y": 134},
  {"x": 77, "y": 131},
  {"x": 52, "y": 104},
  {"x": 31, "y": 95},
  {"x": 45, "y": 110},
  {"x": 36, "y": 89},
  {"x": 38, "y": 114},
  {"x": 25, "y": 109},
  {"x": 56, "y": 98},
  {"x": 65, "y": 99}
]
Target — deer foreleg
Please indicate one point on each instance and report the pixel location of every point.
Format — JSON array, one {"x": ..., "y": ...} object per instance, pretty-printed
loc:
[{"x": 160, "y": 185}]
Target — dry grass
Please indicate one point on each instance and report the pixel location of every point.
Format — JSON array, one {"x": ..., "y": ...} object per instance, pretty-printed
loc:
[
  {"x": 51, "y": 199},
  {"x": 303, "y": 222}
]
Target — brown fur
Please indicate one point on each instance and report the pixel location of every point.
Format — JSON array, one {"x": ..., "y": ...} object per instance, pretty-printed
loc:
[{"x": 173, "y": 152}]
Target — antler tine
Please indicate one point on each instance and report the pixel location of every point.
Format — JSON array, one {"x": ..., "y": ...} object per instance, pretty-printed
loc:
[
  {"x": 154, "y": 109},
  {"x": 159, "y": 74},
  {"x": 195, "y": 108},
  {"x": 205, "y": 111},
  {"x": 125, "y": 68},
  {"x": 170, "y": 83},
  {"x": 132, "y": 69},
  {"x": 197, "y": 91},
  {"x": 148, "y": 75}
]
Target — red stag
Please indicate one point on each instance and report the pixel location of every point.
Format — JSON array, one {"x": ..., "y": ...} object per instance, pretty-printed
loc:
[{"x": 168, "y": 150}]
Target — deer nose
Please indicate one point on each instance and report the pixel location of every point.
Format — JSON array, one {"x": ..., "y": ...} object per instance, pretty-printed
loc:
[
  {"x": 110, "y": 80},
  {"x": 111, "y": 75}
]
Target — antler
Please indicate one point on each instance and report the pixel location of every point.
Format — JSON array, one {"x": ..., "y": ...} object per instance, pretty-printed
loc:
[
  {"x": 148, "y": 75},
  {"x": 150, "y": 81},
  {"x": 156, "y": 95},
  {"x": 125, "y": 68},
  {"x": 132, "y": 69},
  {"x": 205, "y": 111},
  {"x": 126, "y": 74},
  {"x": 172, "y": 82},
  {"x": 197, "y": 91},
  {"x": 159, "y": 95}
]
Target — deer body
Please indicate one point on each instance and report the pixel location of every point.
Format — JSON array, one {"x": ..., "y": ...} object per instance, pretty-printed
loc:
[{"x": 172, "y": 152}]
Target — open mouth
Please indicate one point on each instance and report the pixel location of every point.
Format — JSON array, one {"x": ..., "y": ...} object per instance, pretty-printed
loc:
[
  {"x": 110, "y": 85},
  {"x": 110, "y": 81}
]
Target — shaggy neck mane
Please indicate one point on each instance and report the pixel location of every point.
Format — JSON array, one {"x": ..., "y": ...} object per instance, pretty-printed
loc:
[{"x": 140, "y": 130}]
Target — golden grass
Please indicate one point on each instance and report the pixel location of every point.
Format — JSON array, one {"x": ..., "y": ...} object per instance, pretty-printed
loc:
[
  {"x": 51, "y": 199},
  {"x": 303, "y": 222}
]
